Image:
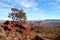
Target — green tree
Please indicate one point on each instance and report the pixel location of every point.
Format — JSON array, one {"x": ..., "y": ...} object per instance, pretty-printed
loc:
[
  {"x": 21, "y": 16},
  {"x": 17, "y": 15},
  {"x": 12, "y": 14}
]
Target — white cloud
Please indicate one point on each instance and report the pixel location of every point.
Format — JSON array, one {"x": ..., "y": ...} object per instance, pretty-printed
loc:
[
  {"x": 57, "y": 7},
  {"x": 5, "y": 5},
  {"x": 35, "y": 13},
  {"x": 23, "y": 3},
  {"x": 57, "y": 0},
  {"x": 54, "y": 4},
  {"x": 28, "y": 3},
  {"x": 39, "y": 12}
]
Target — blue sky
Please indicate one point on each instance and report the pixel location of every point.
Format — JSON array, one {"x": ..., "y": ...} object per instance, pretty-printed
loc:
[{"x": 35, "y": 9}]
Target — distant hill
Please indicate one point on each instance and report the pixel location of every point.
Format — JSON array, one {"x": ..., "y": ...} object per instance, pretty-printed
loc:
[
  {"x": 1, "y": 21},
  {"x": 51, "y": 22},
  {"x": 47, "y": 22}
]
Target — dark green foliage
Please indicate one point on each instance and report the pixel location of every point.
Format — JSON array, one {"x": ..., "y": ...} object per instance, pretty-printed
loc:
[{"x": 17, "y": 15}]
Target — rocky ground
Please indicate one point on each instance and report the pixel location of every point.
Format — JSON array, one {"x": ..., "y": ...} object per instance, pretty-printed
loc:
[
  {"x": 10, "y": 30},
  {"x": 15, "y": 31}
]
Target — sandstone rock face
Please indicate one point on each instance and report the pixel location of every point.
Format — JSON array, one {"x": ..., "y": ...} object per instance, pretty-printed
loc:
[{"x": 10, "y": 30}]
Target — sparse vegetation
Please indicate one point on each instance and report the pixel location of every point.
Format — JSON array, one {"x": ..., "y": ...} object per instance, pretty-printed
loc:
[
  {"x": 49, "y": 32},
  {"x": 45, "y": 32}
]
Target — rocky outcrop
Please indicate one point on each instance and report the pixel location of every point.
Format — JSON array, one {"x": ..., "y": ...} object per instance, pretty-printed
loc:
[{"x": 14, "y": 31}]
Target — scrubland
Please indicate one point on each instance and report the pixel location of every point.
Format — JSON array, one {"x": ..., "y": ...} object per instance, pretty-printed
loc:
[{"x": 46, "y": 32}]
